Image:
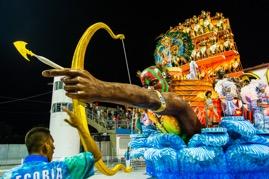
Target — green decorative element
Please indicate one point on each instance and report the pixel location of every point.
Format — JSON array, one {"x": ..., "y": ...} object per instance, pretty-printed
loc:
[
  {"x": 173, "y": 49},
  {"x": 80, "y": 165}
]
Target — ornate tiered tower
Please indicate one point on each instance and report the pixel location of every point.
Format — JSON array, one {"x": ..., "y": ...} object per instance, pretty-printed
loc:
[{"x": 194, "y": 52}]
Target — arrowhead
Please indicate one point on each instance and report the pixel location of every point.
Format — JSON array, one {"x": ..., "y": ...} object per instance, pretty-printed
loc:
[{"x": 21, "y": 47}]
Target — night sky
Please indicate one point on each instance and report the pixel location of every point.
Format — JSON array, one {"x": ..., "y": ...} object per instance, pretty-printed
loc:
[{"x": 53, "y": 28}]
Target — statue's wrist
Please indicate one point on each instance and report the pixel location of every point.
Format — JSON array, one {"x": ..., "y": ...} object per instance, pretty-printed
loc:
[{"x": 162, "y": 101}]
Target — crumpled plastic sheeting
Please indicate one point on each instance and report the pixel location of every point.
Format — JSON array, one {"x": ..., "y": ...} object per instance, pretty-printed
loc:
[
  {"x": 238, "y": 128},
  {"x": 138, "y": 143},
  {"x": 186, "y": 163},
  {"x": 162, "y": 160},
  {"x": 209, "y": 139},
  {"x": 201, "y": 159},
  {"x": 256, "y": 139},
  {"x": 157, "y": 140},
  {"x": 165, "y": 140},
  {"x": 242, "y": 152},
  {"x": 137, "y": 153},
  {"x": 247, "y": 158},
  {"x": 150, "y": 129}
]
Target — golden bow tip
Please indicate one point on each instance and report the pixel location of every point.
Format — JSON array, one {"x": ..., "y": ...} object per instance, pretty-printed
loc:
[{"x": 121, "y": 36}]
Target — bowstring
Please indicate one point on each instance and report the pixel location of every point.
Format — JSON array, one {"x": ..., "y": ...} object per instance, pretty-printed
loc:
[{"x": 126, "y": 61}]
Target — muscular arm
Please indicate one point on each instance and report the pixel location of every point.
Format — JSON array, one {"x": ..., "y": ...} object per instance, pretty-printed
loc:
[{"x": 81, "y": 85}]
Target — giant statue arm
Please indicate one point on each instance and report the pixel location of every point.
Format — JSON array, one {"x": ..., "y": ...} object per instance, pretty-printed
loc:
[{"x": 81, "y": 85}]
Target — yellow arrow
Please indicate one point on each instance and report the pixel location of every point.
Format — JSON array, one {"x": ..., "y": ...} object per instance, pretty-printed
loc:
[{"x": 21, "y": 47}]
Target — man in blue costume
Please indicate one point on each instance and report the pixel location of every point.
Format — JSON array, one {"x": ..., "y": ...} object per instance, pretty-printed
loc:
[{"x": 39, "y": 164}]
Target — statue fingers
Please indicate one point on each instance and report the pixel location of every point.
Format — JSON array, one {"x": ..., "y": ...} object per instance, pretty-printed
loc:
[
  {"x": 71, "y": 81},
  {"x": 70, "y": 113},
  {"x": 69, "y": 122},
  {"x": 56, "y": 72},
  {"x": 73, "y": 87},
  {"x": 78, "y": 73},
  {"x": 65, "y": 72},
  {"x": 81, "y": 95}
]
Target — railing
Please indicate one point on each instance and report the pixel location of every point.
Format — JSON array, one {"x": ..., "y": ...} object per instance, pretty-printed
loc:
[
  {"x": 104, "y": 123},
  {"x": 12, "y": 154}
]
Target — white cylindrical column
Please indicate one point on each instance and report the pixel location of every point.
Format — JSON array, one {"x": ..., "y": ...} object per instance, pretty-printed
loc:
[{"x": 66, "y": 138}]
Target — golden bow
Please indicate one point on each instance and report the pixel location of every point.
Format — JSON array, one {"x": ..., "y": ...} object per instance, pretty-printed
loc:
[{"x": 79, "y": 109}]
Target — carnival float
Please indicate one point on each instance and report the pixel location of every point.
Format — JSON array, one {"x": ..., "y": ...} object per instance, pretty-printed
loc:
[{"x": 199, "y": 61}]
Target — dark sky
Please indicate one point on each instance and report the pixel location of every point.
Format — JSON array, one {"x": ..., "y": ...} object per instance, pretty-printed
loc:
[{"x": 52, "y": 29}]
